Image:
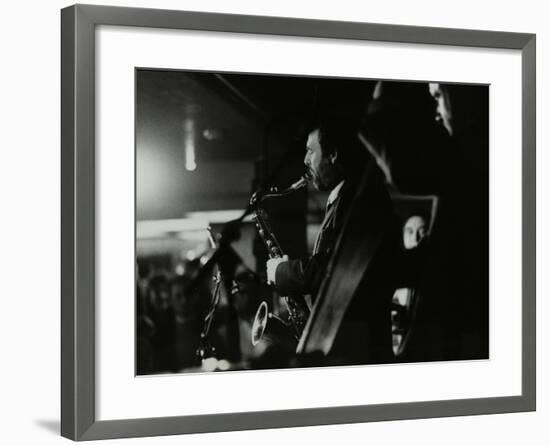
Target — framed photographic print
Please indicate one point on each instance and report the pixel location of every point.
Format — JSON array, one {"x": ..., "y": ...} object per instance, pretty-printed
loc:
[{"x": 272, "y": 222}]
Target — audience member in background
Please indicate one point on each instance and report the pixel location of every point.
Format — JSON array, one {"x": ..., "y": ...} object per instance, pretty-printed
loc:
[
  {"x": 188, "y": 321},
  {"x": 164, "y": 319},
  {"x": 145, "y": 328},
  {"x": 415, "y": 231}
]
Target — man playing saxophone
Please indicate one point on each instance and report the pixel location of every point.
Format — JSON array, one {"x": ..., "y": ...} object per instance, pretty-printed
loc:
[
  {"x": 336, "y": 162},
  {"x": 326, "y": 173}
]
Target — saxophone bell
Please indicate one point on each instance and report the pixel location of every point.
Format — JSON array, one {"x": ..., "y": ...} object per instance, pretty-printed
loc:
[{"x": 272, "y": 329}]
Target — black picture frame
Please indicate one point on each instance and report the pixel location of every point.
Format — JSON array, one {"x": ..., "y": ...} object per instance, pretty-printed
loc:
[{"x": 78, "y": 182}]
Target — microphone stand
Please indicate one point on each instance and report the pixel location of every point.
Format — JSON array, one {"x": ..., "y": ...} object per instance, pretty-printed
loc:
[
  {"x": 223, "y": 275},
  {"x": 205, "y": 349}
]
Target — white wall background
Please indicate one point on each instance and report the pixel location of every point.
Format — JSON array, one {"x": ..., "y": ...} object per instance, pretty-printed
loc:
[{"x": 29, "y": 222}]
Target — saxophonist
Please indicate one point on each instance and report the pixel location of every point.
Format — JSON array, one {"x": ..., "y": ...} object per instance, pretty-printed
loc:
[{"x": 336, "y": 162}]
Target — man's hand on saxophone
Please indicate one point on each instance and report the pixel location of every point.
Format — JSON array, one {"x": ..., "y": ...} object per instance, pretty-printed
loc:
[{"x": 271, "y": 267}]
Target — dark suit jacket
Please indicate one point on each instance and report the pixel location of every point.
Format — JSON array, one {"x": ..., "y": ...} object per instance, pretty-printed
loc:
[
  {"x": 364, "y": 335},
  {"x": 303, "y": 276}
]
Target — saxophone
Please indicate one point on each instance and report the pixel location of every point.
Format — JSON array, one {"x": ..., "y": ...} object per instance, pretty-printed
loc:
[{"x": 267, "y": 325}]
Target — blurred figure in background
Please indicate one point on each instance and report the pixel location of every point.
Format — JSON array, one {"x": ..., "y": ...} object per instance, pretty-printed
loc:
[
  {"x": 163, "y": 316},
  {"x": 453, "y": 313},
  {"x": 461, "y": 109},
  {"x": 415, "y": 232},
  {"x": 188, "y": 321},
  {"x": 145, "y": 328},
  {"x": 464, "y": 224},
  {"x": 400, "y": 133}
]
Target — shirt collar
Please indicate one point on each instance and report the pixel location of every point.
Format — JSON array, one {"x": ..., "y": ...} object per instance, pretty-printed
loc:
[{"x": 334, "y": 194}]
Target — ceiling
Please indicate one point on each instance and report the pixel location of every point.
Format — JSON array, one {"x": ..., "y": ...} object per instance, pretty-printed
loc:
[{"x": 230, "y": 121}]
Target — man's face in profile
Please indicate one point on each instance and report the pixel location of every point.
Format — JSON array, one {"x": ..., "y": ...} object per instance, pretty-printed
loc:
[
  {"x": 443, "y": 112},
  {"x": 320, "y": 168},
  {"x": 414, "y": 232}
]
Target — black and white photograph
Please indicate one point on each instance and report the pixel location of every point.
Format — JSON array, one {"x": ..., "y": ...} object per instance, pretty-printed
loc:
[
  {"x": 242, "y": 222},
  {"x": 295, "y": 221}
]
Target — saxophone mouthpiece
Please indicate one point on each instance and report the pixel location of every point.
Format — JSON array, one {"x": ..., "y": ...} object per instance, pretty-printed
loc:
[{"x": 302, "y": 182}]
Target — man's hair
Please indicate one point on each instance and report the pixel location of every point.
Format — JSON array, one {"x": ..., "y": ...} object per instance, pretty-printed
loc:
[
  {"x": 420, "y": 213},
  {"x": 339, "y": 134}
]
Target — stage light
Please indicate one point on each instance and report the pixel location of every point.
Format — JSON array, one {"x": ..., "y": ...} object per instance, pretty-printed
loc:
[
  {"x": 189, "y": 144},
  {"x": 209, "y": 364},
  {"x": 223, "y": 365}
]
